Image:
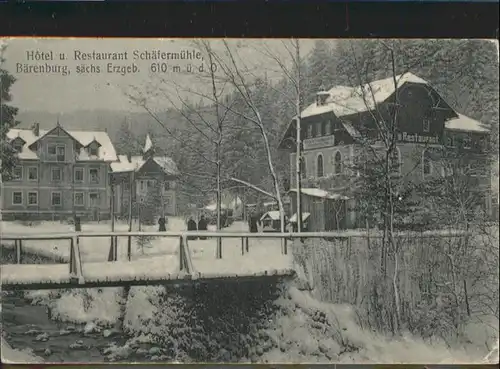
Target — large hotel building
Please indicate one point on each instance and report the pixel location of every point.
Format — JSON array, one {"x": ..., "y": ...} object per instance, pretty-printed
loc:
[{"x": 332, "y": 131}]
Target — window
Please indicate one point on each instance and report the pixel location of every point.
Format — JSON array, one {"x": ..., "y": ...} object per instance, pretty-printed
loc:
[
  {"x": 332, "y": 127},
  {"x": 317, "y": 129},
  {"x": 447, "y": 170},
  {"x": 78, "y": 174},
  {"x": 309, "y": 131},
  {"x": 78, "y": 199},
  {"x": 94, "y": 175},
  {"x": 57, "y": 151},
  {"x": 324, "y": 128},
  {"x": 466, "y": 142},
  {"x": 328, "y": 127},
  {"x": 52, "y": 149},
  {"x": 93, "y": 150},
  {"x": 426, "y": 125},
  {"x": 56, "y": 199},
  {"x": 166, "y": 186},
  {"x": 61, "y": 153},
  {"x": 303, "y": 171},
  {"x": 426, "y": 163},
  {"x": 33, "y": 198},
  {"x": 319, "y": 166},
  {"x": 17, "y": 198},
  {"x": 142, "y": 185},
  {"x": 337, "y": 162},
  {"x": 56, "y": 174},
  {"x": 18, "y": 146},
  {"x": 33, "y": 173},
  {"x": 17, "y": 173},
  {"x": 94, "y": 200},
  {"x": 449, "y": 141},
  {"x": 396, "y": 161}
]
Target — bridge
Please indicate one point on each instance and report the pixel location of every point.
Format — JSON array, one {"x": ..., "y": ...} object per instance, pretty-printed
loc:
[
  {"x": 260, "y": 261},
  {"x": 234, "y": 262}
]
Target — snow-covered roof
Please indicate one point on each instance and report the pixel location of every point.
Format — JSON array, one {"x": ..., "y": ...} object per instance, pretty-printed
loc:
[
  {"x": 293, "y": 219},
  {"x": 464, "y": 123},
  {"x": 343, "y": 100},
  {"x": 269, "y": 203},
  {"x": 213, "y": 207},
  {"x": 106, "y": 151},
  {"x": 274, "y": 215},
  {"x": 136, "y": 163},
  {"x": 318, "y": 192}
]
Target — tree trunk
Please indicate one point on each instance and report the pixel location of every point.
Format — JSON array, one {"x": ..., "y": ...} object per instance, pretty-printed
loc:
[{"x": 299, "y": 140}]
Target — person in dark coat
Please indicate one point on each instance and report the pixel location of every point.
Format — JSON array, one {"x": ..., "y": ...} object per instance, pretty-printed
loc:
[
  {"x": 191, "y": 226},
  {"x": 202, "y": 226},
  {"x": 162, "y": 224},
  {"x": 78, "y": 224},
  {"x": 254, "y": 220}
]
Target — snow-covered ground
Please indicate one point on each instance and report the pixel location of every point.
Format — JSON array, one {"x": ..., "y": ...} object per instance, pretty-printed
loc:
[{"x": 295, "y": 332}]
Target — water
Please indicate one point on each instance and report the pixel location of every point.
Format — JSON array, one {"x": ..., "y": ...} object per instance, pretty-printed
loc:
[{"x": 23, "y": 323}]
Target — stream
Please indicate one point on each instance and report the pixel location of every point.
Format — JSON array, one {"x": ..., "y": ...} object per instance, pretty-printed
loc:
[{"x": 28, "y": 326}]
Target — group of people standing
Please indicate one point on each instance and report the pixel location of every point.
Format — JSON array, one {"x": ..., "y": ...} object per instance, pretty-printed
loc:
[{"x": 201, "y": 226}]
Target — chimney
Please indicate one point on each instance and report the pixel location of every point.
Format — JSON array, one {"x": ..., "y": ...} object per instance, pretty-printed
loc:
[
  {"x": 36, "y": 129},
  {"x": 321, "y": 96}
]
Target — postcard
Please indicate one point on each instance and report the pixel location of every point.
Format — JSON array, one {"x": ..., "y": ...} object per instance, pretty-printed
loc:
[{"x": 262, "y": 201}]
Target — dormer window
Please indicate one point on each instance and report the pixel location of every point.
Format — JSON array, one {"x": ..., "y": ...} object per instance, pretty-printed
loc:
[
  {"x": 93, "y": 148},
  {"x": 18, "y": 144},
  {"x": 321, "y": 98}
]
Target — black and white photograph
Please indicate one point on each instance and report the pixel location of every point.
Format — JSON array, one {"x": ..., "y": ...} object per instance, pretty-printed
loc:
[{"x": 249, "y": 200}]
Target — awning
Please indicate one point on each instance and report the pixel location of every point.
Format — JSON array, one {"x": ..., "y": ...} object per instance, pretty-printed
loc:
[
  {"x": 293, "y": 219},
  {"x": 273, "y": 215},
  {"x": 318, "y": 192}
]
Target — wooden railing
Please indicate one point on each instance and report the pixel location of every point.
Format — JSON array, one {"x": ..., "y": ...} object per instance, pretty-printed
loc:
[{"x": 185, "y": 262}]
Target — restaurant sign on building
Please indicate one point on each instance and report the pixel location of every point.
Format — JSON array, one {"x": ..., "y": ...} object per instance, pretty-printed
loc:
[
  {"x": 416, "y": 138},
  {"x": 319, "y": 142}
]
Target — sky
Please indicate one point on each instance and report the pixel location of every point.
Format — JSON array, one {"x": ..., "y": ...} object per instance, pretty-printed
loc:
[{"x": 38, "y": 90}]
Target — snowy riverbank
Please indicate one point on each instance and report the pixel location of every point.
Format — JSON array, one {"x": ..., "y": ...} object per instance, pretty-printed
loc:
[
  {"x": 10, "y": 355},
  {"x": 228, "y": 322}
]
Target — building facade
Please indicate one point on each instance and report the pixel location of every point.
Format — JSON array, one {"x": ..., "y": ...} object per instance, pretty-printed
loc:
[
  {"x": 343, "y": 126},
  {"x": 64, "y": 173},
  {"x": 59, "y": 174},
  {"x": 134, "y": 178}
]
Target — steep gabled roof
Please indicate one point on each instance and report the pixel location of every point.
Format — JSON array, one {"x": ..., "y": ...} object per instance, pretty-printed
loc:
[
  {"x": 137, "y": 162},
  {"x": 84, "y": 138},
  {"x": 344, "y": 101}
]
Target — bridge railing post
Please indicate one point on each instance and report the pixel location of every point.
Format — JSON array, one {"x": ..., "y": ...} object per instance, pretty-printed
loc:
[
  {"x": 246, "y": 244},
  {"x": 19, "y": 251},
  {"x": 242, "y": 245},
  {"x": 72, "y": 261},
  {"x": 181, "y": 254},
  {"x": 129, "y": 248}
]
